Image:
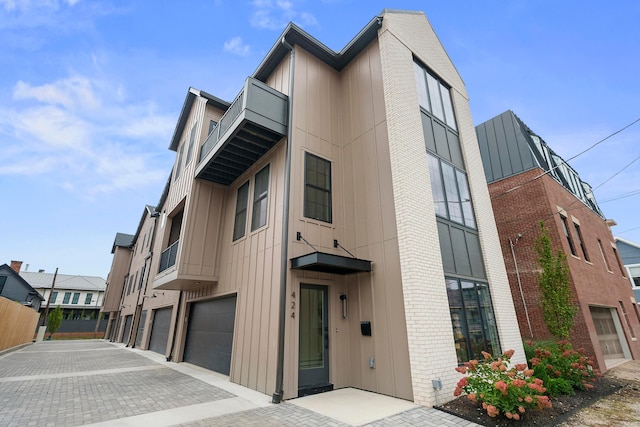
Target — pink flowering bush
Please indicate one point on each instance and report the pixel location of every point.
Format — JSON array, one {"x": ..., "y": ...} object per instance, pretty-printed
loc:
[
  {"x": 562, "y": 368},
  {"x": 500, "y": 389}
]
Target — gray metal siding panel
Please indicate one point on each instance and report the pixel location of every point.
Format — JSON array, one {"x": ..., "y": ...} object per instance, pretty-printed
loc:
[
  {"x": 492, "y": 145},
  {"x": 446, "y": 249},
  {"x": 513, "y": 146},
  {"x": 210, "y": 334},
  {"x": 160, "y": 330},
  {"x": 503, "y": 147},
  {"x": 481, "y": 132}
]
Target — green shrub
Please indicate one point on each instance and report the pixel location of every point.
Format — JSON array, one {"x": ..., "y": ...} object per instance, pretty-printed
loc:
[
  {"x": 500, "y": 389},
  {"x": 562, "y": 368}
]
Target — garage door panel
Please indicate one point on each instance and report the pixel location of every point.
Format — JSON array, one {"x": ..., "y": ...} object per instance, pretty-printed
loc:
[
  {"x": 160, "y": 330},
  {"x": 210, "y": 334}
]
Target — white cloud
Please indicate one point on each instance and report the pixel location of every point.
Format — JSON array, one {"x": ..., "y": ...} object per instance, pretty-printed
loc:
[
  {"x": 25, "y": 5},
  {"x": 276, "y": 14},
  {"x": 85, "y": 134},
  {"x": 237, "y": 46},
  {"x": 74, "y": 92}
]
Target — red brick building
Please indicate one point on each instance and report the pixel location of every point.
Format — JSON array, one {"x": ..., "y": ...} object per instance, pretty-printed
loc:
[{"x": 529, "y": 183}]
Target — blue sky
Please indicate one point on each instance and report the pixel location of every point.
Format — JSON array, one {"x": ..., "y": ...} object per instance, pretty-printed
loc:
[{"x": 90, "y": 92}]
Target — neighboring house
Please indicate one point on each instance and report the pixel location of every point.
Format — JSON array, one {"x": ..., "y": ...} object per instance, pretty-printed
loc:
[
  {"x": 330, "y": 228},
  {"x": 530, "y": 183},
  {"x": 115, "y": 283},
  {"x": 630, "y": 254},
  {"x": 16, "y": 288},
  {"x": 79, "y": 296}
]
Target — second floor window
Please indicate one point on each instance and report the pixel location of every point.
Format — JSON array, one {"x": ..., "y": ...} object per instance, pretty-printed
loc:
[
  {"x": 54, "y": 296},
  {"x": 317, "y": 188},
  {"x": 260, "y": 199},
  {"x": 241, "y": 211},
  {"x": 67, "y": 297},
  {"x": 76, "y": 297},
  {"x": 87, "y": 299}
]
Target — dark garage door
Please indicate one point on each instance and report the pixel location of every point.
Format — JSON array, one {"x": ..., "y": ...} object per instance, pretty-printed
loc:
[
  {"x": 127, "y": 329},
  {"x": 210, "y": 334},
  {"x": 160, "y": 330}
]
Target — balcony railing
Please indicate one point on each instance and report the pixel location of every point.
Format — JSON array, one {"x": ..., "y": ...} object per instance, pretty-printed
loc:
[
  {"x": 255, "y": 121},
  {"x": 168, "y": 257}
]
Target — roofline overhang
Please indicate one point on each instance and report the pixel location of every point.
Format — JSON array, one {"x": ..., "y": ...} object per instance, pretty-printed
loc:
[
  {"x": 192, "y": 93},
  {"x": 294, "y": 35}
]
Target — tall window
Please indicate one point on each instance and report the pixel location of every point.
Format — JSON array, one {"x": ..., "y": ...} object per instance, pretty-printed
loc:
[
  {"x": 604, "y": 256},
  {"x": 66, "y": 298},
  {"x": 451, "y": 195},
  {"x": 241, "y": 211},
  {"x": 212, "y": 125},
  {"x": 260, "y": 199},
  {"x": 87, "y": 299},
  {"x": 317, "y": 188},
  {"x": 192, "y": 137},
  {"x": 54, "y": 296},
  {"x": 434, "y": 96},
  {"x": 76, "y": 297},
  {"x": 179, "y": 165},
  {"x": 581, "y": 242},
  {"x": 472, "y": 318},
  {"x": 565, "y": 228},
  {"x": 617, "y": 257}
]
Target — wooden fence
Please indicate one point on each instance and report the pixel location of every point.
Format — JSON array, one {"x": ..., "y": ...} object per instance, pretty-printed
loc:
[{"x": 17, "y": 323}]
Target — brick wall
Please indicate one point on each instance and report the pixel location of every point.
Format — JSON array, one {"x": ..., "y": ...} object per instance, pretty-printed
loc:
[{"x": 518, "y": 212}]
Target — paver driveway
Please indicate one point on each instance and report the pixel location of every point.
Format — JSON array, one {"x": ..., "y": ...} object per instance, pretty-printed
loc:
[{"x": 94, "y": 382}]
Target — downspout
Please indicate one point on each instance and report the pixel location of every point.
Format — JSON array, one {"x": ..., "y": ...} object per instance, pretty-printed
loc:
[
  {"x": 284, "y": 255},
  {"x": 515, "y": 262}
]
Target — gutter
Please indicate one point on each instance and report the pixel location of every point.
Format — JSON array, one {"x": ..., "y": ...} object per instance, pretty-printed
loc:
[{"x": 278, "y": 393}]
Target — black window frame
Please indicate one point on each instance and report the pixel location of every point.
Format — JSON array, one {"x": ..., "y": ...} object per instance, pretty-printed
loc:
[
  {"x": 53, "y": 297},
  {"x": 576, "y": 227},
  {"x": 327, "y": 192},
  {"x": 567, "y": 234},
  {"x": 461, "y": 324},
  {"x": 66, "y": 298},
  {"x": 239, "y": 228},
  {"x": 260, "y": 195},
  {"x": 87, "y": 298},
  {"x": 76, "y": 298},
  {"x": 467, "y": 215}
]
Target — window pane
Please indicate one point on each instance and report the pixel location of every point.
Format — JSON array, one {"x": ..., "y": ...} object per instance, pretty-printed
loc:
[
  {"x": 434, "y": 97},
  {"x": 260, "y": 192},
  {"x": 458, "y": 322},
  {"x": 437, "y": 187},
  {"x": 451, "y": 189},
  {"x": 67, "y": 297},
  {"x": 179, "y": 164},
  {"x": 465, "y": 198},
  {"x": 317, "y": 191},
  {"x": 192, "y": 137},
  {"x": 421, "y": 86},
  {"x": 492, "y": 344},
  {"x": 241, "y": 211},
  {"x": 87, "y": 299},
  {"x": 54, "y": 296},
  {"x": 474, "y": 319},
  {"x": 448, "y": 108},
  {"x": 76, "y": 297}
]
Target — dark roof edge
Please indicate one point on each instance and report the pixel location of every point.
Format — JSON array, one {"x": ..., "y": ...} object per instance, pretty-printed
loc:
[
  {"x": 295, "y": 35},
  {"x": 186, "y": 108},
  {"x": 122, "y": 240},
  {"x": 23, "y": 281}
]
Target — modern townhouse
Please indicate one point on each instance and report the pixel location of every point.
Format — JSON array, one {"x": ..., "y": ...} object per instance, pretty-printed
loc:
[
  {"x": 529, "y": 183},
  {"x": 331, "y": 227}
]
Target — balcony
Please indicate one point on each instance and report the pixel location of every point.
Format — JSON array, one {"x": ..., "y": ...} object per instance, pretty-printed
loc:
[
  {"x": 168, "y": 257},
  {"x": 253, "y": 124}
]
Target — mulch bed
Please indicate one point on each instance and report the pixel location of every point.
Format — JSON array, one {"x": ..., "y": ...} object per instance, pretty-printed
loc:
[{"x": 563, "y": 407}]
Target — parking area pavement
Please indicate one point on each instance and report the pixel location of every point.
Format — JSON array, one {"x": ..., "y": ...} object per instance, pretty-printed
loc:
[{"x": 98, "y": 383}]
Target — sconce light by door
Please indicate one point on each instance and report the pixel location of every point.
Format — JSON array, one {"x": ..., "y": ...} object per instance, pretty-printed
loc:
[{"x": 343, "y": 298}]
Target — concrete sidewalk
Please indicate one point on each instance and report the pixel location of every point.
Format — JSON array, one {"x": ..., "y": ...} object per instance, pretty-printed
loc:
[{"x": 97, "y": 383}]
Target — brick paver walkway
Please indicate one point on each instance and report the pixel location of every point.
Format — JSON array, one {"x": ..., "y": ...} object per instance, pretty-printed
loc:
[{"x": 72, "y": 383}]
